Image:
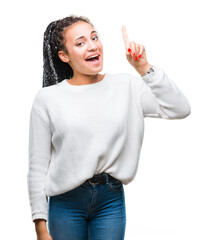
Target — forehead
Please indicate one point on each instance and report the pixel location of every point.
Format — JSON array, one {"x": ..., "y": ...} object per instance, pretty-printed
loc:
[{"x": 78, "y": 29}]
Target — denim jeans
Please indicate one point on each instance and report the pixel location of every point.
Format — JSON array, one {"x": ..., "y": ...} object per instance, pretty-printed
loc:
[{"x": 89, "y": 212}]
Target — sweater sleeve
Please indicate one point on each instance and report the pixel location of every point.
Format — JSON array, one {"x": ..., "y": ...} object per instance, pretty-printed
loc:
[
  {"x": 161, "y": 98},
  {"x": 39, "y": 158}
]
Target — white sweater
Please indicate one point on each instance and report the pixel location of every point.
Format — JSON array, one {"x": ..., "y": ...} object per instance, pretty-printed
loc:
[{"x": 77, "y": 131}]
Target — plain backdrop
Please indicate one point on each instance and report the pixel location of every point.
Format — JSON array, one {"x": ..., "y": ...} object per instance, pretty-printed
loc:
[{"x": 174, "y": 195}]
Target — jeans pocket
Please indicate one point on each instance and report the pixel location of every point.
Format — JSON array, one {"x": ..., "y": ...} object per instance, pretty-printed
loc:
[{"x": 116, "y": 185}]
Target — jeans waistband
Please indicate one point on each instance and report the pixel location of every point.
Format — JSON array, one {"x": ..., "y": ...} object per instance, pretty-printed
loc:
[{"x": 101, "y": 178}]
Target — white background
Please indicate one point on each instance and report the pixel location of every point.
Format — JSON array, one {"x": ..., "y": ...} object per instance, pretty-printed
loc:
[{"x": 174, "y": 194}]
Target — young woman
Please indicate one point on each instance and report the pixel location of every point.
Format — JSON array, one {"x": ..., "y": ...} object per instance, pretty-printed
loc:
[{"x": 86, "y": 132}]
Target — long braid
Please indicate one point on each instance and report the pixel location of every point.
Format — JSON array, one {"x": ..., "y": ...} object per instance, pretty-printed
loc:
[
  {"x": 49, "y": 72},
  {"x": 54, "y": 69}
]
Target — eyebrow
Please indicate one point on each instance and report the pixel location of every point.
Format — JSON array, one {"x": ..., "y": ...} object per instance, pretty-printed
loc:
[{"x": 83, "y": 36}]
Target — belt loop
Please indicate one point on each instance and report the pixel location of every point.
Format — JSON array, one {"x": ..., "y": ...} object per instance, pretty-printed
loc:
[{"x": 106, "y": 177}]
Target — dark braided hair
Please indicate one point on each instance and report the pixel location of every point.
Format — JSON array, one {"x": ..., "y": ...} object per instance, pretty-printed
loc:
[{"x": 54, "y": 69}]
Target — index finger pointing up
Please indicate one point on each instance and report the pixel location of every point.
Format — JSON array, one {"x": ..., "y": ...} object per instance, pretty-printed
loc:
[{"x": 125, "y": 37}]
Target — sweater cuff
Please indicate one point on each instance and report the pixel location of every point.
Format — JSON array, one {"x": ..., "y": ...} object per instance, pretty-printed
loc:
[
  {"x": 153, "y": 77},
  {"x": 40, "y": 216}
]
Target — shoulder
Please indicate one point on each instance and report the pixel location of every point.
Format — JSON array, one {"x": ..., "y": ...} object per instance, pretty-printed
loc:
[
  {"x": 42, "y": 99},
  {"x": 43, "y": 95}
]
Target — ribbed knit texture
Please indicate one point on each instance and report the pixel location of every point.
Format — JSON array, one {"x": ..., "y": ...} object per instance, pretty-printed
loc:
[{"x": 78, "y": 131}]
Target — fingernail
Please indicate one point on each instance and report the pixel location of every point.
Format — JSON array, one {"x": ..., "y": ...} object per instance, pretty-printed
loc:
[
  {"x": 136, "y": 58},
  {"x": 140, "y": 55},
  {"x": 133, "y": 53},
  {"x": 129, "y": 49}
]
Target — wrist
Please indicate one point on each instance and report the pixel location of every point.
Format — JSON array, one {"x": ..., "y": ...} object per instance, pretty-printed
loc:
[
  {"x": 40, "y": 226},
  {"x": 40, "y": 232},
  {"x": 142, "y": 71}
]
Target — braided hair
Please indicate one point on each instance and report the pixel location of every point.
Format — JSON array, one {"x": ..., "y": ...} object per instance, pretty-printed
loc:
[{"x": 54, "y": 69}]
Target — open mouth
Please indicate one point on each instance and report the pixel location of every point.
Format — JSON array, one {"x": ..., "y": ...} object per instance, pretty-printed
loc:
[{"x": 94, "y": 59}]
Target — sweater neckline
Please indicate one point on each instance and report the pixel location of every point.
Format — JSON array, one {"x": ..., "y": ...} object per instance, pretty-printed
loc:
[{"x": 86, "y": 86}]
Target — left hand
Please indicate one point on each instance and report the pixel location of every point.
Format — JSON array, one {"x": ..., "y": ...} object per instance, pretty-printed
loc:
[{"x": 137, "y": 56}]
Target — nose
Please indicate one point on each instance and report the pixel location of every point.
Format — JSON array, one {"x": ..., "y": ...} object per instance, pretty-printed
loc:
[{"x": 91, "y": 45}]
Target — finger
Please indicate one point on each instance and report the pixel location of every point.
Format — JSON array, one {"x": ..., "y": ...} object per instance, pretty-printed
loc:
[
  {"x": 137, "y": 49},
  {"x": 125, "y": 37},
  {"x": 142, "y": 50},
  {"x": 132, "y": 46}
]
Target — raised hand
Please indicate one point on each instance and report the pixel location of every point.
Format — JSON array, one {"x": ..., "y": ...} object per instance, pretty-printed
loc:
[{"x": 135, "y": 54}]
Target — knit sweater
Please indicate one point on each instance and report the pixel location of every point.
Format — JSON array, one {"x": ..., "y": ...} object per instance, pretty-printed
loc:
[{"x": 77, "y": 131}]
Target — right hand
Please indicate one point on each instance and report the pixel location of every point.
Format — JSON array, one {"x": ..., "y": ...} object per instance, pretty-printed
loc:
[{"x": 44, "y": 236}]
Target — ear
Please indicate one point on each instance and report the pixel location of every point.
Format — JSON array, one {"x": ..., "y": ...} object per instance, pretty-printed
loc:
[{"x": 62, "y": 55}]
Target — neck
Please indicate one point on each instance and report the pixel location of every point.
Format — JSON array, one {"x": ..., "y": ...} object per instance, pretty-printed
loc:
[{"x": 79, "y": 79}]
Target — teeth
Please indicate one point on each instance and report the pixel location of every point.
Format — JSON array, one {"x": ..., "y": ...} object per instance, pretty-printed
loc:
[{"x": 92, "y": 56}]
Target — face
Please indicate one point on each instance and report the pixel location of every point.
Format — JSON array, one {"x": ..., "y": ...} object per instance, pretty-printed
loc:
[{"x": 81, "y": 41}]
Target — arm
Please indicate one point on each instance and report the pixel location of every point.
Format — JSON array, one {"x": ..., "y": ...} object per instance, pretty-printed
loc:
[
  {"x": 41, "y": 230},
  {"x": 39, "y": 158},
  {"x": 160, "y": 97},
  {"x": 40, "y": 226}
]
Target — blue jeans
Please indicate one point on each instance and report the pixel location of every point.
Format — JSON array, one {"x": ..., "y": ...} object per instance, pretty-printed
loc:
[{"x": 89, "y": 212}]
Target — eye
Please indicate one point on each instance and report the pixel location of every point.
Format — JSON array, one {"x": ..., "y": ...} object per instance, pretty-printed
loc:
[
  {"x": 79, "y": 44},
  {"x": 96, "y": 37}
]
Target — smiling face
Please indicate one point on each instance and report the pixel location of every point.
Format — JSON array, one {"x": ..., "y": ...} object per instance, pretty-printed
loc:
[{"x": 81, "y": 41}]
